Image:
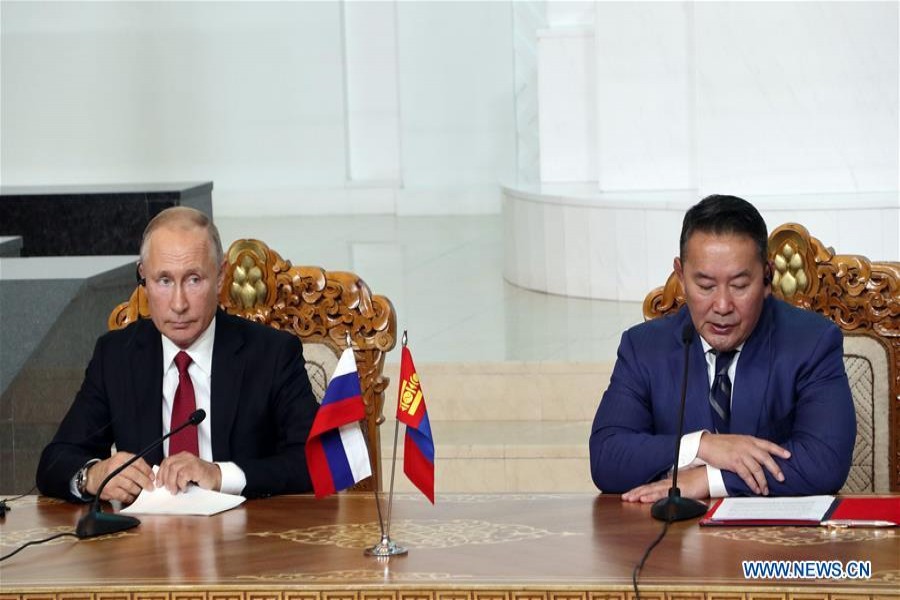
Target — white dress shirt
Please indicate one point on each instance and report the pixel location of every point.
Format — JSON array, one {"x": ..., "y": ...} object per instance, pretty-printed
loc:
[
  {"x": 200, "y": 371},
  {"x": 690, "y": 442}
]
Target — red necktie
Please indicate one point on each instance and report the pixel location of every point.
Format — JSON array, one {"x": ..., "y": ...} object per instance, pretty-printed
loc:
[{"x": 184, "y": 404}]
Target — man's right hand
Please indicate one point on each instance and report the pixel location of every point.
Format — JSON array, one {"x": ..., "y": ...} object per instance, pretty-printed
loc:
[
  {"x": 126, "y": 485},
  {"x": 745, "y": 455}
]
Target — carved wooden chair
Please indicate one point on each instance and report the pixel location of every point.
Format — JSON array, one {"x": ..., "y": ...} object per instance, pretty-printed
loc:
[
  {"x": 863, "y": 299},
  {"x": 321, "y": 308}
]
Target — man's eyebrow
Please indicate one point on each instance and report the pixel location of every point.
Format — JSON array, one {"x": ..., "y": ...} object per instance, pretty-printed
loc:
[{"x": 702, "y": 275}]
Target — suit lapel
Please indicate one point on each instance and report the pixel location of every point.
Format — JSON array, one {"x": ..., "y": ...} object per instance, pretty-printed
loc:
[
  {"x": 752, "y": 376},
  {"x": 146, "y": 370},
  {"x": 225, "y": 388},
  {"x": 696, "y": 408},
  {"x": 697, "y": 411}
]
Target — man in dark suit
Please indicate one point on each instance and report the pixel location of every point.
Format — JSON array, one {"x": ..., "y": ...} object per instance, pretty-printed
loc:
[
  {"x": 768, "y": 406},
  {"x": 144, "y": 380}
]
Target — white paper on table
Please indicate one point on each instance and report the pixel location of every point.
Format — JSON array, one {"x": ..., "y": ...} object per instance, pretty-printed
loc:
[
  {"x": 194, "y": 500},
  {"x": 803, "y": 508}
]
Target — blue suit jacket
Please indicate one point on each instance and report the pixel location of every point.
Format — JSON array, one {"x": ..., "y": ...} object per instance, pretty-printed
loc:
[
  {"x": 262, "y": 406},
  {"x": 790, "y": 387}
]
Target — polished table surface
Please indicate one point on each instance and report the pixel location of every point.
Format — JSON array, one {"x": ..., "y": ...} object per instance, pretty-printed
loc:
[{"x": 466, "y": 546}]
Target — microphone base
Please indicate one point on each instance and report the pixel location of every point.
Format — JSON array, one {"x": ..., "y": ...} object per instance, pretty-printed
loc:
[
  {"x": 97, "y": 523},
  {"x": 677, "y": 508}
]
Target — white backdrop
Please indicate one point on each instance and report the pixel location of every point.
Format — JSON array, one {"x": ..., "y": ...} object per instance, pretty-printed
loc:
[
  {"x": 424, "y": 107},
  {"x": 289, "y": 107},
  {"x": 754, "y": 98}
]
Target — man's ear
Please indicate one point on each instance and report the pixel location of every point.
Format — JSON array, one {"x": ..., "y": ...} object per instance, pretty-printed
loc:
[
  {"x": 139, "y": 274},
  {"x": 679, "y": 270},
  {"x": 767, "y": 274},
  {"x": 767, "y": 277},
  {"x": 220, "y": 278}
]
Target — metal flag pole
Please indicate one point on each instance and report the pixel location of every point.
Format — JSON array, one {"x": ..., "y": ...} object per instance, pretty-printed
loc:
[
  {"x": 368, "y": 450},
  {"x": 386, "y": 547}
]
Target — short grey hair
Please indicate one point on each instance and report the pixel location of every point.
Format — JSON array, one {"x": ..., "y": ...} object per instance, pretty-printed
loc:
[{"x": 184, "y": 217}]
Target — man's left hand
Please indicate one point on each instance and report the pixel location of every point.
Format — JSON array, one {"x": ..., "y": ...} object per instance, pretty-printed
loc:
[
  {"x": 176, "y": 472},
  {"x": 692, "y": 483}
]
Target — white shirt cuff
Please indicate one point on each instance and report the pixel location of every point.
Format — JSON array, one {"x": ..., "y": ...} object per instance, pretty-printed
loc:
[
  {"x": 233, "y": 479},
  {"x": 716, "y": 483},
  {"x": 690, "y": 446}
]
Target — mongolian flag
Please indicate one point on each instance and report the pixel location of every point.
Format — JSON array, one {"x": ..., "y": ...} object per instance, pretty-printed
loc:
[
  {"x": 418, "y": 447},
  {"x": 336, "y": 451}
]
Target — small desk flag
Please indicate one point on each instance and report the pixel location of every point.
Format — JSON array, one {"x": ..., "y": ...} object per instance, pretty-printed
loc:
[
  {"x": 418, "y": 446},
  {"x": 336, "y": 451}
]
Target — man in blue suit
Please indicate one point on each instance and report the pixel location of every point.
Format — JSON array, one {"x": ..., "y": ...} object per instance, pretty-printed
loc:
[{"x": 768, "y": 408}]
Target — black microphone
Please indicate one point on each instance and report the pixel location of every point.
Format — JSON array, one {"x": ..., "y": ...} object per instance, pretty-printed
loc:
[
  {"x": 96, "y": 522},
  {"x": 674, "y": 507}
]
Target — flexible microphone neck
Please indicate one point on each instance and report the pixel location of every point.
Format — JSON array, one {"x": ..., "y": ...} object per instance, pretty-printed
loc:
[
  {"x": 96, "y": 522},
  {"x": 687, "y": 337},
  {"x": 674, "y": 507}
]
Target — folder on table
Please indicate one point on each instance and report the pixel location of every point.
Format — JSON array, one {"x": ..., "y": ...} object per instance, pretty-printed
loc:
[
  {"x": 862, "y": 511},
  {"x": 872, "y": 511}
]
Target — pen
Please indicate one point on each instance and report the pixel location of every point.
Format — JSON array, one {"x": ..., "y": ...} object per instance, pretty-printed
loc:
[{"x": 857, "y": 523}]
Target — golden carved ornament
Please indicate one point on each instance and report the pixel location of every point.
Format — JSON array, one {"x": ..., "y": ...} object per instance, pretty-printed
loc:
[
  {"x": 802, "y": 536},
  {"x": 862, "y": 297},
  {"x": 316, "y": 305},
  {"x": 416, "y": 533}
]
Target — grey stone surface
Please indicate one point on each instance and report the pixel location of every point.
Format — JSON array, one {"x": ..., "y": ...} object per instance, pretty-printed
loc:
[
  {"x": 35, "y": 291},
  {"x": 10, "y": 245},
  {"x": 51, "y": 371}
]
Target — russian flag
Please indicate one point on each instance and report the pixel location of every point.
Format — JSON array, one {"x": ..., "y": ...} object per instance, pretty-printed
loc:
[
  {"x": 418, "y": 445},
  {"x": 336, "y": 451}
]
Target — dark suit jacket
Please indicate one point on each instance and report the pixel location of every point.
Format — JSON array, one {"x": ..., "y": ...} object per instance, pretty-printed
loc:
[
  {"x": 790, "y": 388},
  {"x": 262, "y": 406}
]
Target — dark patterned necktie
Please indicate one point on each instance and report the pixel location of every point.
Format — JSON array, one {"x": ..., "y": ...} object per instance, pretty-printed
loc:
[
  {"x": 182, "y": 408},
  {"x": 720, "y": 392}
]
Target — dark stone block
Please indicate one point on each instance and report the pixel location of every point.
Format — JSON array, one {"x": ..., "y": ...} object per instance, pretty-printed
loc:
[{"x": 91, "y": 220}]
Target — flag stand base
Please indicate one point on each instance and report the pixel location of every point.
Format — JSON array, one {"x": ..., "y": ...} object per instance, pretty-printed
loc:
[{"x": 386, "y": 547}]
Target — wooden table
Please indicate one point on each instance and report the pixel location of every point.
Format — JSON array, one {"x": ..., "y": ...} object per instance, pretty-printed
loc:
[{"x": 467, "y": 547}]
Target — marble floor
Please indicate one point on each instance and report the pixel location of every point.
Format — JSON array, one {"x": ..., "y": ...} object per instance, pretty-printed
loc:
[{"x": 445, "y": 278}]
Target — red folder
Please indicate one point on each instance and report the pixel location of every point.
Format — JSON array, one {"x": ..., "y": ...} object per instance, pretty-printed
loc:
[{"x": 871, "y": 511}]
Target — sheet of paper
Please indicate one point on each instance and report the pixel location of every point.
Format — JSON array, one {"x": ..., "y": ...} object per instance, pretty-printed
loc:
[
  {"x": 192, "y": 501},
  {"x": 804, "y": 508}
]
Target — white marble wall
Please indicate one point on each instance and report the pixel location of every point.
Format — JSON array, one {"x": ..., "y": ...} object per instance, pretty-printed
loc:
[
  {"x": 797, "y": 97},
  {"x": 528, "y": 18},
  {"x": 372, "y": 89},
  {"x": 738, "y": 97},
  {"x": 646, "y": 107},
  {"x": 289, "y": 107},
  {"x": 457, "y": 106},
  {"x": 566, "y": 93},
  {"x": 574, "y": 241}
]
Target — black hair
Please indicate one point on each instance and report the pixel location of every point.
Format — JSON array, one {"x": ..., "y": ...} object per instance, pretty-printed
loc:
[{"x": 723, "y": 215}]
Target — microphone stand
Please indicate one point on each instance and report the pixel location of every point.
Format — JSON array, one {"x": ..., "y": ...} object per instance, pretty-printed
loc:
[
  {"x": 675, "y": 507},
  {"x": 96, "y": 522}
]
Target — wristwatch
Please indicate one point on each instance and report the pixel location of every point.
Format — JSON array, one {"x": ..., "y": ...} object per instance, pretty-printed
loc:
[{"x": 81, "y": 479}]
